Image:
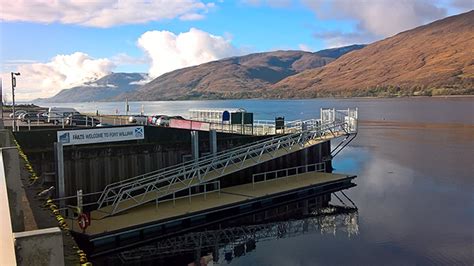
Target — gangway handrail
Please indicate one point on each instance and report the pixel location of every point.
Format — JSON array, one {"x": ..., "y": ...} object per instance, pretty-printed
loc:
[
  {"x": 197, "y": 163},
  {"x": 199, "y": 168},
  {"x": 204, "y": 159},
  {"x": 185, "y": 163},
  {"x": 290, "y": 171},
  {"x": 209, "y": 156}
]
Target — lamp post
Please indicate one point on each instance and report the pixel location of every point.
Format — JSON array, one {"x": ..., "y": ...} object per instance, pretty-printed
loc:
[{"x": 13, "y": 97}]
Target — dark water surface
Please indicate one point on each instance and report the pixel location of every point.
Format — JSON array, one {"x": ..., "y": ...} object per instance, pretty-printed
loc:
[{"x": 414, "y": 161}]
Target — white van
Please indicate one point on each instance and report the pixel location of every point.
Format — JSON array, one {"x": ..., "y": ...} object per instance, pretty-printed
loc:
[{"x": 56, "y": 114}]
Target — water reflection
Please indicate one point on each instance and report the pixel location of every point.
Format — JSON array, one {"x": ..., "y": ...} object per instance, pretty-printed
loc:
[{"x": 222, "y": 242}]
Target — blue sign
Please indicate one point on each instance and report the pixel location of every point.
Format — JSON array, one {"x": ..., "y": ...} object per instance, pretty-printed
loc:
[
  {"x": 139, "y": 132},
  {"x": 64, "y": 138}
]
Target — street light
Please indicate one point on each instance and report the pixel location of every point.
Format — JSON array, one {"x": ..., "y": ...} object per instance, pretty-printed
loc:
[{"x": 13, "y": 97}]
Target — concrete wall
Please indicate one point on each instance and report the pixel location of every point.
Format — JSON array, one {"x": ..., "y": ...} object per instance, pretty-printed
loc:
[
  {"x": 5, "y": 138},
  {"x": 7, "y": 250},
  {"x": 11, "y": 162},
  {"x": 40, "y": 247}
]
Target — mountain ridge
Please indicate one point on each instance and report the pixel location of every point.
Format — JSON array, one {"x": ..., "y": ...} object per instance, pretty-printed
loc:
[
  {"x": 433, "y": 59},
  {"x": 235, "y": 77},
  {"x": 101, "y": 89}
]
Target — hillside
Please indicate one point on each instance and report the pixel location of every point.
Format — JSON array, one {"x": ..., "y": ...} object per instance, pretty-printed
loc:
[
  {"x": 435, "y": 59},
  {"x": 100, "y": 90},
  {"x": 237, "y": 77}
]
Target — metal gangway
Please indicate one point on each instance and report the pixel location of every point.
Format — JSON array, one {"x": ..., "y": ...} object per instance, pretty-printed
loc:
[{"x": 130, "y": 193}]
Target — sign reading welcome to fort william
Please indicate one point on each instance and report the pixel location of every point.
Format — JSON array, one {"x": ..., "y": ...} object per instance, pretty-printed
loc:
[{"x": 98, "y": 135}]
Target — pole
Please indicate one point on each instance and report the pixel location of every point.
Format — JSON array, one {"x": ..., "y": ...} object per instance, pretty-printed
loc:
[
  {"x": 60, "y": 171},
  {"x": 195, "y": 144},
  {"x": 213, "y": 141},
  {"x": 79, "y": 200},
  {"x": 13, "y": 101},
  {"x": 127, "y": 108}
]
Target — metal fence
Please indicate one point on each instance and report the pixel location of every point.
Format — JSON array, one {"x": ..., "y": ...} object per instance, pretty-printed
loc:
[{"x": 287, "y": 172}]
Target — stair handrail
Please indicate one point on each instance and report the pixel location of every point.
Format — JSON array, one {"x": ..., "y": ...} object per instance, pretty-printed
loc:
[{"x": 195, "y": 165}]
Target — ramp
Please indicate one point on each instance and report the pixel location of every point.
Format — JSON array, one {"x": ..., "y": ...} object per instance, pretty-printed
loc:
[{"x": 121, "y": 196}]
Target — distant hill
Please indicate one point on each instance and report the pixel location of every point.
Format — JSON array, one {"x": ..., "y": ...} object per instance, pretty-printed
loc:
[
  {"x": 102, "y": 89},
  {"x": 435, "y": 59},
  {"x": 237, "y": 77}
]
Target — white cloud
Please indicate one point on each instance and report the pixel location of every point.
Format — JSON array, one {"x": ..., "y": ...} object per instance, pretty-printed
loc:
[
  {"x": 169, "y": 51},
  {"x": 305, "y": 47},
  {"x": 104, "y": 13},
  {"x": 376, "y": 18},
  {"x": 334, "y": 39},
  {"x": 272, "y": 3},
  {"x": 63, "y": 71}
]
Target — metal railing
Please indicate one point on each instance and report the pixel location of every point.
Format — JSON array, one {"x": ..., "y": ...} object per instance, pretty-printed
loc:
[
  {"x": 282, "y": 173},
  {"x": 129, "y": 194},
  {"x": 265, "y": 127},
  {"x": 216, "y": 187},
  {"x": 203, "y": 158},
  {"x": 348, "y": 116}
]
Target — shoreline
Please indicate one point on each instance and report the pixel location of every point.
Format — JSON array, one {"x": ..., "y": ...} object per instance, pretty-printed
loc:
[{"x": 255, "y": 99}]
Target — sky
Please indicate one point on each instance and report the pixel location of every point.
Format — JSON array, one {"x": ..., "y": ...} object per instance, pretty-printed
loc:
[{"x": 59, "y": 44}]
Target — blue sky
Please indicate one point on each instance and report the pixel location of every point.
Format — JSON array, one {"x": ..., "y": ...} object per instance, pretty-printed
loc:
[{"x": 95, "y": 38}]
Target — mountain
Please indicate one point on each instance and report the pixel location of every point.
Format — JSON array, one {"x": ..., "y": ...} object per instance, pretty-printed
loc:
[
  {"x": 102, "y": 89},
  {"x": 236, "y": 77},
  {"x": 435, "y": 59}
]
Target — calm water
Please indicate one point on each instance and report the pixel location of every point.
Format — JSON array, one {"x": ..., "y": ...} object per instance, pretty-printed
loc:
[{"x": 414, "y": 161}]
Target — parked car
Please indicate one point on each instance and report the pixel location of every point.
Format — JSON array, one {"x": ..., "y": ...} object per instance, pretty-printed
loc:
[
  {"x": 138, "y": 119},
  {"x": 57, "y": 114},
  {"x": 28, "y": 116},
  {"x": 103, "y": 125},
  {"x": 42, "y": 117},
  {"x": 18, "y": 113},
  {"x": 159, "y": 120},
  {"x": 81, "y": 120}
]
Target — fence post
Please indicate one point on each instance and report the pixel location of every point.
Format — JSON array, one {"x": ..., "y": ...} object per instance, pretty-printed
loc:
[
  {"x": 189, "y": 195},
  {"x": 60, "y": 171},
  {"x": 195, "y": 144}
]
